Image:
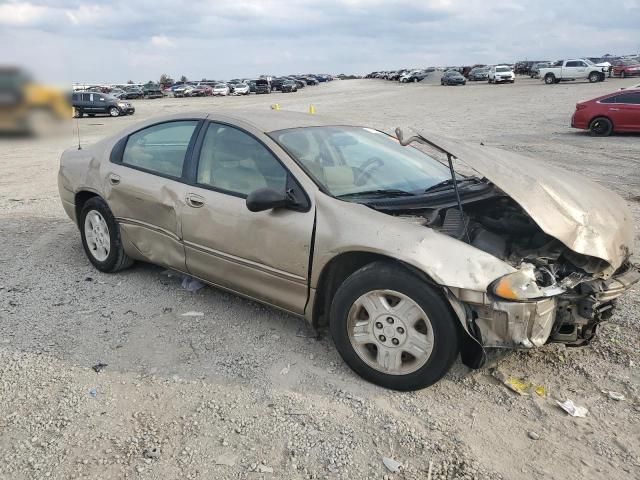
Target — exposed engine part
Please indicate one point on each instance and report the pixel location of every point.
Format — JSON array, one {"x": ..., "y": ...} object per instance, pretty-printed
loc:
[{"x": 455, "y": 223}]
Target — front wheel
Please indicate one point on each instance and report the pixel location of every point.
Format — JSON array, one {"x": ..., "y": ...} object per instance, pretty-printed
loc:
[
  {"x": 114, "y": 111},
  {"x": 101, "y": 237},
  {"x": 594, "y": 77},
  {"x": 392, "y": 328},
  {"x": 600, "y": 127},
  {"x": 622, "y": 74},
  {"x": 77, "y": 113},
  {"x": 549, "y": 79}
]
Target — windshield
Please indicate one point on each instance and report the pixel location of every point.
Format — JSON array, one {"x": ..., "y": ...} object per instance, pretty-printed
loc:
[
  {"x": 588, "y": 62},
  {"x": 348, "y": 160},
  {"x": 220, "y": 85},
  {"x": 503, "y": 69}
]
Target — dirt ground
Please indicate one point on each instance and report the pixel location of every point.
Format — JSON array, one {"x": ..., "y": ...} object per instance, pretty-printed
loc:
[{"x": 245, "y": 391}]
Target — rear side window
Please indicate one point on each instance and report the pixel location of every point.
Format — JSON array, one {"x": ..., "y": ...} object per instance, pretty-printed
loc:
[
  {"x": 86, "y": 97},
  {"x": 160, "y": 148},
  {"x": 629, "y": 98},
  {"x": 613, "y": 99},
  {"x": 573, "y": 64}
]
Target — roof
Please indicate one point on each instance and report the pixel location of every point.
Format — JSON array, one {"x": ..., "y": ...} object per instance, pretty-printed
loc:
[{"x": 268, "y": 120}]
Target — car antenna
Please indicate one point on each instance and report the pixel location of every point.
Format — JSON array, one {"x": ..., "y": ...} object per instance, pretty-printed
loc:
[{"x": 421, "y": 139}]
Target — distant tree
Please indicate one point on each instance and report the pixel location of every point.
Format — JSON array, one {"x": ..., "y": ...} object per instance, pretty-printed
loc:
[
  {"x": 203, "y": 80},
  {"x": 183, "y": 79},
  {"x": 130, "y": 82},
  {"x": 166, "y": 80}
]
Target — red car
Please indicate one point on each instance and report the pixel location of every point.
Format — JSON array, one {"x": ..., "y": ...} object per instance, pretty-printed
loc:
[
  {"x": 615, "y": 112},
  {"x": 626, "y": 68}
]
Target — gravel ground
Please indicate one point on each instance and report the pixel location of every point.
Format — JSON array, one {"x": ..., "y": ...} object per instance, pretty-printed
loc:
[{"x": 248, "y": 392}]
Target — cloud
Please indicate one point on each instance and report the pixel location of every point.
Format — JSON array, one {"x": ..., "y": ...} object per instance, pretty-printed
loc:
[
  {"x": 162, "y": 41},
  {"x": 223, "y": 39}
]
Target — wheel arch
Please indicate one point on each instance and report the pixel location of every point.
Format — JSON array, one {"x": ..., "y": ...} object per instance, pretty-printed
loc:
[
  {"x": 81, "y": 197},
  {"x": 340, "y": 267}
]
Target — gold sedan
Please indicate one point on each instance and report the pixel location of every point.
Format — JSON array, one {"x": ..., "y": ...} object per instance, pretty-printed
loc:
[{"x": 408, "y": 262}]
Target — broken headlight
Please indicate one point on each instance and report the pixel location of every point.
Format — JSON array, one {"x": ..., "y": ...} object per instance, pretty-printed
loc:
[{"x": 522, "y": 286}]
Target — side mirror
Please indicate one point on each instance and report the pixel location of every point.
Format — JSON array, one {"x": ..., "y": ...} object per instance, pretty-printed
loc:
[{"x": 266, "y": 199}]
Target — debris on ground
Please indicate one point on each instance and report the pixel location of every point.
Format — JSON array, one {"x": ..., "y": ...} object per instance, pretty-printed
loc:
[
  {"x": 573, "y": 409},
  {"x": 533, "y": 435},
  {"x": 193, "y": 314},
  {"x": 264, "y": 469},
  {"x": 191, "y": 284},
  {"x": 285, "y": 370},
  {"x": 519, "y": 385},
  {"x": 93, "y": 392},
  {"x": 614, "y": 395},
  {"x": 99, "y": 367},
  {"x": 153, "y": 452},
  {"x": 392, "y": 465}
]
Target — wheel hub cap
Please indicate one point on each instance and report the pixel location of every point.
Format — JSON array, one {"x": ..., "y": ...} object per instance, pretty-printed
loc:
[
  {"x": 390, "y": 332},
  {"x": 96, "y": 234}
]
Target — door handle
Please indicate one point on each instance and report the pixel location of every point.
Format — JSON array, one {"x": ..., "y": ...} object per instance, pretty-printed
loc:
[
  {"x": 114, "y": 179},
  {"x": 194, "y": 201}
]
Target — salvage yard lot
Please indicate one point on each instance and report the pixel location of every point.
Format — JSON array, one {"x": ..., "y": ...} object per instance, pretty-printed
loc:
[{"x": 244, "y": 391}]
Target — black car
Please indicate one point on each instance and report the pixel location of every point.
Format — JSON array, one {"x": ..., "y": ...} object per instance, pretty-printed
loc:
[
  {"x": 262, "y": 86},
  {"x": 91, "y": 103},
  {"x": 452, "y": 77},
  {"x": 276, "y": 84},
  {"x": 252, "y": 86},
  {"x": 289, "y": 86},
  {"x": 478, "y": 74}
]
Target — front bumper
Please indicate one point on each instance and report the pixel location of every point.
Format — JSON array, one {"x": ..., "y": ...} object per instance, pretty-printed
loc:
[{"x": 568, "y": 318}]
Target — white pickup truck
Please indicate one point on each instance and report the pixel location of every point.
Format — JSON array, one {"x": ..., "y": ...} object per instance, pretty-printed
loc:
[{"x": 567, "y": 70}]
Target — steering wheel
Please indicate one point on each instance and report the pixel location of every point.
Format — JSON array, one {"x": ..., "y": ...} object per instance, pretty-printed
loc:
[{"x": 366, "y": 169}]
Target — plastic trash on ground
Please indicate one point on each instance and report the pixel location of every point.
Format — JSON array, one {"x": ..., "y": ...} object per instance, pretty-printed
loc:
[{"x": 573, "y": 409}]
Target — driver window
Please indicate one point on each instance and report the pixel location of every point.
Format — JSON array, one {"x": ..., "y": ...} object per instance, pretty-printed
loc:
[{"x": 233, "y": 161}]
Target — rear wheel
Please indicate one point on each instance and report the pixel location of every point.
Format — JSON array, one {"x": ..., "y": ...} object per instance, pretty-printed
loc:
[
  {"x": 101, "y": 237},
  {"x": 600, "y": 127},
  {"x": 415, "y": 80},
  {"x": 77, "y": 112},
  {"x": 392, "y": 328},
  {"x": 594, "y": 77},
  {"x": 622, "y": 74}
]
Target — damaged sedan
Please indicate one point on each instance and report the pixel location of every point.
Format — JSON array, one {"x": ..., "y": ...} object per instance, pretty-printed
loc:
[{"x": 408, "y": 258}]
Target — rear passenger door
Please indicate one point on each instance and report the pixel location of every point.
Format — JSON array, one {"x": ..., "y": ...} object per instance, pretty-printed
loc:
[{"x": 145, "y": 189}]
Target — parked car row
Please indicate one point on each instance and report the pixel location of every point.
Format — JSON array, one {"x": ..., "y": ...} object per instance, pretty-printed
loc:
[{"x": 403, "y": 75}]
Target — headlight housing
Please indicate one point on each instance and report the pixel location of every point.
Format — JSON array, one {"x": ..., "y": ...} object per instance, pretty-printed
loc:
[
  {"x": 521, "y": 286},
  {"x": 122, "y": 104}
]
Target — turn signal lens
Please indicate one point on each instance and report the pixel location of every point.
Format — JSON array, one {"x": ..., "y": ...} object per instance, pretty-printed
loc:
[{"x": 519, "y": 286}]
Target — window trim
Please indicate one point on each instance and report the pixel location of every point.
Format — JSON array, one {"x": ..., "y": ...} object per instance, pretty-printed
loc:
[
  {"x": 191, "y": 172},
  {"x": 117, "y": 152}
]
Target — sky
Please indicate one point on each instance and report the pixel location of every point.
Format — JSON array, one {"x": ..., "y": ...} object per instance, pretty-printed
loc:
[{"x": 105, "y": 41}]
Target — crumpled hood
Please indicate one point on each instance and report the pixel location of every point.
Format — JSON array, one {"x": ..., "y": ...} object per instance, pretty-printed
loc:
[{"x": 584, "y": 216}]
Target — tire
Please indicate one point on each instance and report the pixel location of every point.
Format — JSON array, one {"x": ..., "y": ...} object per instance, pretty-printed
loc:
[
  {"x": 415, "y": 80},
  {"x": 600, "y": 127},
  {"x": 115, "y": 259},
  {"x": 77, "y": 112},
  {"x": 114, "y": 111},
  {"x": 549, "y": 79},
  {"x": 622, "y": 74},
  {"x": 594, "y": 77},
  {"x": 434, "y": 327}
]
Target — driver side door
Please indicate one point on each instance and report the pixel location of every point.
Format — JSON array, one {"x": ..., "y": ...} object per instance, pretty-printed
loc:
[{"x": 262, "y": 255}]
